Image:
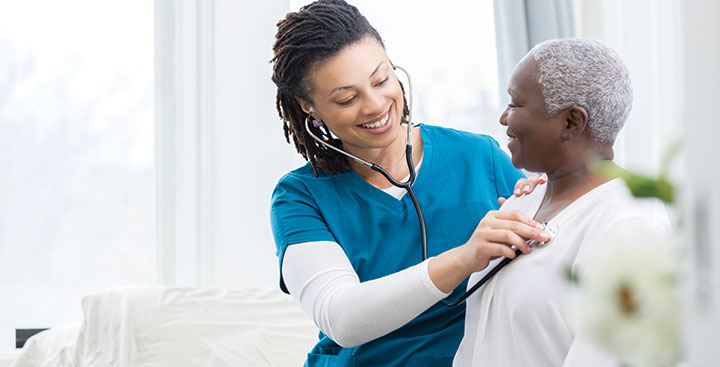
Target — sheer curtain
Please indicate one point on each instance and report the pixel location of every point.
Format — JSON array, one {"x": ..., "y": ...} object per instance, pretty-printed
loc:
[
  {"x": 647, "y": 35},
  {"x": 521, "y": 24}
]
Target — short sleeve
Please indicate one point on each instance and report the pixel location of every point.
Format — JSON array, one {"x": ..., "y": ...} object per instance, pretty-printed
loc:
[
  {"x": 295, "y": 217},
  {"x": 506, "y": 175}
]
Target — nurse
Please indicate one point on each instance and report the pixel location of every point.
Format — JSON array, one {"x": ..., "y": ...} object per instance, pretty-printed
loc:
[{"x": 349, "y": 242}]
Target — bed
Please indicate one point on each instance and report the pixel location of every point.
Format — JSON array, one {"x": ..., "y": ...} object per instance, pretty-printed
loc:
[{"x": 149, "y": 326}]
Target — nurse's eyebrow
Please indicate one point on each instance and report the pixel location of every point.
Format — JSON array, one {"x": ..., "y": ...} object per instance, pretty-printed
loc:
[
  {"x": 350, "y": 86},
  {"x": 377, "y": 68}
]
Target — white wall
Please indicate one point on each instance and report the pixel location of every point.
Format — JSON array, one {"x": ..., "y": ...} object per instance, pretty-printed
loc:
[{"x": 701, "y": 76}]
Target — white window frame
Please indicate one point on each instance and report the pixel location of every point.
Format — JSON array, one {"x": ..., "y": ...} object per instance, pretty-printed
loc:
[
  {"x": 219, "y": 143},
  {"x": 184, "y": 122}
]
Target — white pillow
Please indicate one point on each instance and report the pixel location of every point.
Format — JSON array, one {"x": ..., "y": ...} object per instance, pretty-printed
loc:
[
  {"x": 149, "y": 326},
  {"x": 53, "y": 347},
  {"x": 155, "y": 326},
  {"x": 7, "y": 358}
]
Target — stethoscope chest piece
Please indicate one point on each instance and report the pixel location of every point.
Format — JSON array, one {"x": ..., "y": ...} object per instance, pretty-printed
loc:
[{"x": 551, "y": 230}]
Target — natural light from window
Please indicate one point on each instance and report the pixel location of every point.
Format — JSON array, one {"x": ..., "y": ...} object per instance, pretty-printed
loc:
[{"x": 76, "y": 152}]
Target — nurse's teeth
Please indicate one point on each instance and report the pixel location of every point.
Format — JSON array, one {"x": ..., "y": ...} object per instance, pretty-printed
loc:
[{"x": 379, "y": 123}]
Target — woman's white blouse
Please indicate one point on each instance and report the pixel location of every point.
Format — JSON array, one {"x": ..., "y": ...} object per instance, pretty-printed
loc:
[{"x": 521, "y": 317}]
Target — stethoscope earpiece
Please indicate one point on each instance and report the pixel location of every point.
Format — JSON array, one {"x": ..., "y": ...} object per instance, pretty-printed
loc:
[{"x": 410, "y": 102}]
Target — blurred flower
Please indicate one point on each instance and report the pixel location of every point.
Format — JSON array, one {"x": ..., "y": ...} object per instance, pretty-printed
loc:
[{"x": 628, "y": 300}]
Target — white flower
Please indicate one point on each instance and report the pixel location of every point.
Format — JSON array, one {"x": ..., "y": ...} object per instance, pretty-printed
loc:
[{"x": 628, "y": 298}]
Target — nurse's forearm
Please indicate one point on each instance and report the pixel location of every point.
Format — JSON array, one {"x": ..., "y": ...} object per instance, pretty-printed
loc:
[
  {"x": 448, "y": 270},
  {"x": 320, "y": 277}
]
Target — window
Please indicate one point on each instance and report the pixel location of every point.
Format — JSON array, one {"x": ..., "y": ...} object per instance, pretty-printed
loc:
[{"x": 76, "y": 156}]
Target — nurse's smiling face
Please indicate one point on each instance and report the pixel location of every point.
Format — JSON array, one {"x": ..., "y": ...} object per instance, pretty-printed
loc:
[
  {"x": 534, "y": 134},
  {"x": 358, "y": 97}
]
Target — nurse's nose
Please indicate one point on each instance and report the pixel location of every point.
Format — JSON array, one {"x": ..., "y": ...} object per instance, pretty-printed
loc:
[{"x": 374, "y": 104}]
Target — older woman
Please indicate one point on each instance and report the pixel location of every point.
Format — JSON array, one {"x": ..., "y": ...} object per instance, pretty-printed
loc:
[{"x": 569, "y": 100}]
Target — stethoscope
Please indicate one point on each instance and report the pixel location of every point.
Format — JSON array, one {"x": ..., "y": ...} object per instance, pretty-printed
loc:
[{"x": 407, "y": 185}]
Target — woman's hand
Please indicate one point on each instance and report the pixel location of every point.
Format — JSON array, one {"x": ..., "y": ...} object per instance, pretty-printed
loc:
[
  {"x": 494, "y": 236},
  {"x": 526, "y": 185}
]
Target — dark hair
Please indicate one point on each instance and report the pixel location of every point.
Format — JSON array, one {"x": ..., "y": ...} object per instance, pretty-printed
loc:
[{"x": 315, "y": 33}]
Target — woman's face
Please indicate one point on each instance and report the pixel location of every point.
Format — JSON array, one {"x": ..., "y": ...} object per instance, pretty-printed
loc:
[
  {"x": 534, "y": 134},
  {"x": 358, "y": 97}
]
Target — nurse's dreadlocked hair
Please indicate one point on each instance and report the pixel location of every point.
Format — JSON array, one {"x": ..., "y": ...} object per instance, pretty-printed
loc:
[{"x": 315, "y": 33}]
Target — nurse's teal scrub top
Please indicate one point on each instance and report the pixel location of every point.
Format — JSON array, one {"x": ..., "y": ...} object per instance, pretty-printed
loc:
[{"x": 461, "y": 178}]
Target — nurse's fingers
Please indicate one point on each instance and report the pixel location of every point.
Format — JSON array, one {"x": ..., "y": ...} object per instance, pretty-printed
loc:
[
  {"x": 492, "y": 251},
  {"x": 505, "y": 251},
  {"x": 519, "y": 186},
  {"x": 508, "y": 239},
  {"x": 512, "y": 228},
  {"x": 527, "y": 185},
  {"x": 511, "y": 215},
  {"x": 501, "y": 201}
]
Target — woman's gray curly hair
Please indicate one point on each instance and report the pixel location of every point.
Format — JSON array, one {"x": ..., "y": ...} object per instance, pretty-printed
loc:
[{"x": 585, "y": 73}]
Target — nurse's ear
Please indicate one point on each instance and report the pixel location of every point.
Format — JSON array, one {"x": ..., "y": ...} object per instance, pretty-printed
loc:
[
  {"x": 306, "y": 107},
  {"x": 576, "y": 123}
]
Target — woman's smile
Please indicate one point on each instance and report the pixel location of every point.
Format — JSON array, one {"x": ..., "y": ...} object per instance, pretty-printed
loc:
[
  {"x": 381, "y": 124},
  {"x": 511, "y": 138}
]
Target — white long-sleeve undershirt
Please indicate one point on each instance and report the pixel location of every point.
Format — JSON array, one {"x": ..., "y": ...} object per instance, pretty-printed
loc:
[{"x": 321, "y": 279}]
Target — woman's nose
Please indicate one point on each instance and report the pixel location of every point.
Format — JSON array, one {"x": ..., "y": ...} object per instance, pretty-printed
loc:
[{"x": 503, "y": 117}]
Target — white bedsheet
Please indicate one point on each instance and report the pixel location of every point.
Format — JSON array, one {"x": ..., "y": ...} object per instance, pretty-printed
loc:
[
  {"x": 155, "y": 326},
  {"x": 7, "y": 358}
]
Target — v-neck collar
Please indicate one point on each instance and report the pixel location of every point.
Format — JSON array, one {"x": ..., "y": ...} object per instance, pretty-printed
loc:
[{"x": 579, "y": 204}]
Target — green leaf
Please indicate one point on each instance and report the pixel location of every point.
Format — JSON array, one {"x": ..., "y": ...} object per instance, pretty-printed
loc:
[
  {"x": 640, "y": 185},
  {"x": 570, "y": 276}
]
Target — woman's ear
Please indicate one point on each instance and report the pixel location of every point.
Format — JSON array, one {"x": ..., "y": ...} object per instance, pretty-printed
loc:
[
  {"x": 576, "y": 122},
  {"x": 306, "y": 107}
]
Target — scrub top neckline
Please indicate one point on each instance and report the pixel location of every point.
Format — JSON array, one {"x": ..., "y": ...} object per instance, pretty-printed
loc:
[{"x": 388, "y": 199}]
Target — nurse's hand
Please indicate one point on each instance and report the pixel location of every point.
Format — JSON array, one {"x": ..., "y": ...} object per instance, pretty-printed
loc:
[
  {"x": 526, "y": 185},
  {"x": 494, "y": 236},
  {"x": 497, "y": 233}
]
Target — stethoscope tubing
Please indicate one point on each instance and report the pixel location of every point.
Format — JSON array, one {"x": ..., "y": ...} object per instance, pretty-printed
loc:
[
  {"x": 482, "y": 281},
  {"x": 407, "y": 185}
]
